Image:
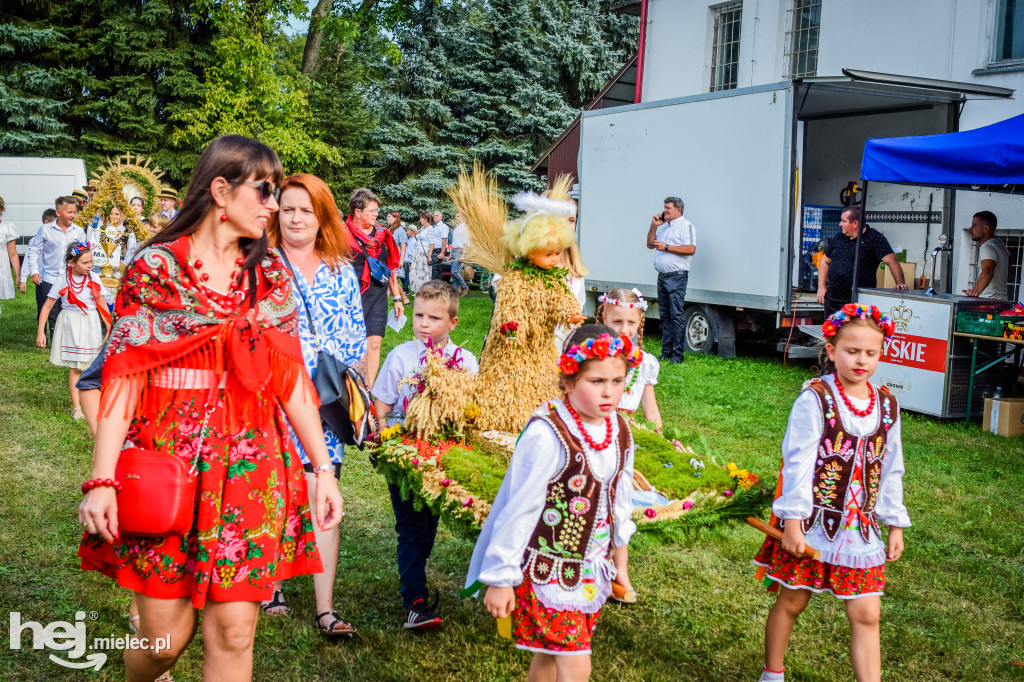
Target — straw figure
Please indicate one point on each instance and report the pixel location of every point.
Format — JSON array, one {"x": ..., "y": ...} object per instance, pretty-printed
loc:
[
  {"x": 442, "y": 402},
  {"x": 519, "y": 364}
]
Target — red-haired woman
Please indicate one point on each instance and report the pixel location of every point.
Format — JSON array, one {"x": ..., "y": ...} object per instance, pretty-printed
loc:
[
  {"x": 204, "y": 363},
  {"x": 309, "y": 234}
]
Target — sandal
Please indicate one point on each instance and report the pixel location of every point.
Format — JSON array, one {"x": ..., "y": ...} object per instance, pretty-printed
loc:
[
  {"x": 333, "y": 630},
  {"x": 276, "y": 602},
  {"x": 81, "y": 415},
  {"x": 131, "y": 624}
]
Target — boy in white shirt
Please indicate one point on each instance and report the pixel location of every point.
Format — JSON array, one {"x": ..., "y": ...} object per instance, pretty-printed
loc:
[{"x": 435, "y": 315}]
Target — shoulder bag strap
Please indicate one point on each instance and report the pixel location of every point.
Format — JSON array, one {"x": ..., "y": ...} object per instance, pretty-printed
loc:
[{"x": 305, "y": 303}]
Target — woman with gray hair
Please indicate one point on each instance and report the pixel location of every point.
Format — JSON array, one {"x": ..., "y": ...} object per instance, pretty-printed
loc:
[{"x": 375, "y": 257}]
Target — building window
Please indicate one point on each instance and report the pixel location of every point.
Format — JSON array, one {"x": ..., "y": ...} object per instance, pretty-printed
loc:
[
  {"x": 725, "y": 48},
  {"x": 802, "y": 38},
  {"x": 1009, "y": 31}
]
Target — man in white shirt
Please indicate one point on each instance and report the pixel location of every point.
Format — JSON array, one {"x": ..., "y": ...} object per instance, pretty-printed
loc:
[
  {"x": 438, "y": 244},
  {"x": 460, "y": 240},
  {"x": 44, "y": 259},
  {"x": 993, "y": 258},
  {"x": 674, "y": 241}
]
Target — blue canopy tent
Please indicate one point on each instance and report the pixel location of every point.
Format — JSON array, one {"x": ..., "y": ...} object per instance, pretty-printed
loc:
[{"x": 987, "y": 159}]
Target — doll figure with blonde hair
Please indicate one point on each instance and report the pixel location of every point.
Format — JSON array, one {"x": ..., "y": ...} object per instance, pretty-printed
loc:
[{"x": 519, "y": 364}]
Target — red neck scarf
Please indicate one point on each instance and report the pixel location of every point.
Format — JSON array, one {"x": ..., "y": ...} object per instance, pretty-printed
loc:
[
  {"x": 97, "y": 297},
  {"x": 371, "y": 248}
]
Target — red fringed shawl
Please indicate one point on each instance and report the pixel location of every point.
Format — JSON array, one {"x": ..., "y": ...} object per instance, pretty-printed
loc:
[
  {"x": 371, "y": 248},
  {"x": 164, "y": 320}
]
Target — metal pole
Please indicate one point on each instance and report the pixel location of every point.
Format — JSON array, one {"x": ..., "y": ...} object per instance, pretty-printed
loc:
[{"x": 861, "y": 225}]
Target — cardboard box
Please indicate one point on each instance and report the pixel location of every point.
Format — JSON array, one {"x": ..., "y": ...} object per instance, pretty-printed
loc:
[
  {"x": 1004, "y": 416},
  {"x": 886, "y": 281}
]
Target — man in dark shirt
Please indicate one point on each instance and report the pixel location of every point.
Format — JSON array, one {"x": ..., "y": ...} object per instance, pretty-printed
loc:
[{"x": 835, "y": 271}]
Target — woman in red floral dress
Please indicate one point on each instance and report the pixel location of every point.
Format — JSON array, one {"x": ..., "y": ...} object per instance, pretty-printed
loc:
[{"x": 204, "y": 357}]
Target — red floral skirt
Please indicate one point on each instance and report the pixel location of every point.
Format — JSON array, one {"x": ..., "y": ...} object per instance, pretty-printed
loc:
[
  {"x": 537, "y": 628},
  {"x": 804, "y": 573},
  {"x": 252, "y": 522}
]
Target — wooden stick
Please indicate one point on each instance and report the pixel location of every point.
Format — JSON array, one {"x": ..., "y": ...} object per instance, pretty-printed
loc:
[{"x": 773, "y": 532}]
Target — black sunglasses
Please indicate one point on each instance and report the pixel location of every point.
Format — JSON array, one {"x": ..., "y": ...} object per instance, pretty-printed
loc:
[{"x": 266, "y": 189}]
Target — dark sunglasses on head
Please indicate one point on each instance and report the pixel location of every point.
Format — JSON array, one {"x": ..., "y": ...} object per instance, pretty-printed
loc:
[{"x": 266, "y": 190}]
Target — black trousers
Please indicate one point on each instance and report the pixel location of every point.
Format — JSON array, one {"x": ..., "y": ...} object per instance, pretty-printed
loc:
[
  {"x": 671, "y": 301},
  {"x": 435, "y": 264},
  {"x": 416, "y": 532},
  {"x": 42, "y": 289},
  {"x": 833, "y": 304}
]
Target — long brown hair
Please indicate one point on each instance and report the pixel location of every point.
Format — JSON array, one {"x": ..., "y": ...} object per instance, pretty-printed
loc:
[
  {"x": 331, "y": 239},
  {"x": 235, "y": 158}
]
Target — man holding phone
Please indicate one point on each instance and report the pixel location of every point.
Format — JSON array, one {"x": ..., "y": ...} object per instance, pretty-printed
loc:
[{"x": 674, "y": 241}]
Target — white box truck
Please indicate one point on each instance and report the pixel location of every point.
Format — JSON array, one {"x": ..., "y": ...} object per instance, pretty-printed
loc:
[
  {"x": 29, "y": 186},
  {"x": 746, "y": 162}
]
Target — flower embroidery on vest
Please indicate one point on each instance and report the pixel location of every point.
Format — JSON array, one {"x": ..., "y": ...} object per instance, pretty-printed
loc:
[
  {"x": 552, "y": 517},
  {"x": 577, "y": 482},
  {"x": 826, "y": 489},
  {"x": 579, "y": 505}
]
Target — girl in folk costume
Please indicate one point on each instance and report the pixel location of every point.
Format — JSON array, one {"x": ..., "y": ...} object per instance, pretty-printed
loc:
[
  {"x": 557, "y": 534},
  {"x": 623, "y": 310},
  {"x": 204, "y": 364},
  {"x": 78, "y": 335},
  {"x": 842, "y": 474},
  {"x": 519, "y": 363}
]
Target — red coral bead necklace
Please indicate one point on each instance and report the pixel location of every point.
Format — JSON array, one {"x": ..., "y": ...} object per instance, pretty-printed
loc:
[
  {"x": 197, "y": 265},
  {"x": 583, "y": 430},
  {"x": 849, "y": 403},
  {"x": 79, "y": 287}
]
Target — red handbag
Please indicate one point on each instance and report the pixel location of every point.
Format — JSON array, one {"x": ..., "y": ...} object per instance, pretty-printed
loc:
[
  {"x": 157, "y": 495},
  {"x": 158, "y": 491}
]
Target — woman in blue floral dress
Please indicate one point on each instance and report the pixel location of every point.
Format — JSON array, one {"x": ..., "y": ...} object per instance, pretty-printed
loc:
[{"x": 309, "y": 233}]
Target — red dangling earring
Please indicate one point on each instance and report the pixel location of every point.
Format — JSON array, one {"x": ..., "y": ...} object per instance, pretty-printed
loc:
[{"x": 223, "y": 217}]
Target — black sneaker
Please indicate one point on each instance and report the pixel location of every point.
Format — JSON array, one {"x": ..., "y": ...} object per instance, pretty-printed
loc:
[{"x": 421, "y": 616}]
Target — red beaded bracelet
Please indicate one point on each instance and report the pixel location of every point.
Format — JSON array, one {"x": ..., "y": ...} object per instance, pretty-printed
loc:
[{"x": 100, "y": 483}]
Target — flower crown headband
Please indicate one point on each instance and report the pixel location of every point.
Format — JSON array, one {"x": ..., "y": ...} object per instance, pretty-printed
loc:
[
  {"x": 641, "y": 304},
  {"x": 78, "y": 248},
  {"x": 852, "y": 310},
  {"x": 604, "y": 346}
]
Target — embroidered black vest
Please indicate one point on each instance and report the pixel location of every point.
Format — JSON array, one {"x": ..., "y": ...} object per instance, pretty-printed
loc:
[
  {"x": 559, "y": 543},
  {"x": 836, "y": 461}
]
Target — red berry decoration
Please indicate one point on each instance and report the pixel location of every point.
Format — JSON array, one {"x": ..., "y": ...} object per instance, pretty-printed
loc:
[
  {"x": 205, "y": 276},
  {"x": 198, "y": 265}
]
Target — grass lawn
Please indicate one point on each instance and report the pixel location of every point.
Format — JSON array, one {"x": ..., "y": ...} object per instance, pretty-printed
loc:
[{"x": 954, "y": 607}]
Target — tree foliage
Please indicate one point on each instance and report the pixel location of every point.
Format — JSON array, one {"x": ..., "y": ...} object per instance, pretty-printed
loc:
[
  {"x": 394, "y": 94},
  {"x": 495, "y": 80},
  {"x": 32, "y": 96},
  {"x": 243, "y": 92}
]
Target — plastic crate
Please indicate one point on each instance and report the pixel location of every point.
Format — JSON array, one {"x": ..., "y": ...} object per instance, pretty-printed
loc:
[{"x": 986, "y": 324}]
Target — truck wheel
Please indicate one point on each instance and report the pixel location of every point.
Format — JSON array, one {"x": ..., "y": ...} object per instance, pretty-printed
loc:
[{"x": 700, "y": 333}]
